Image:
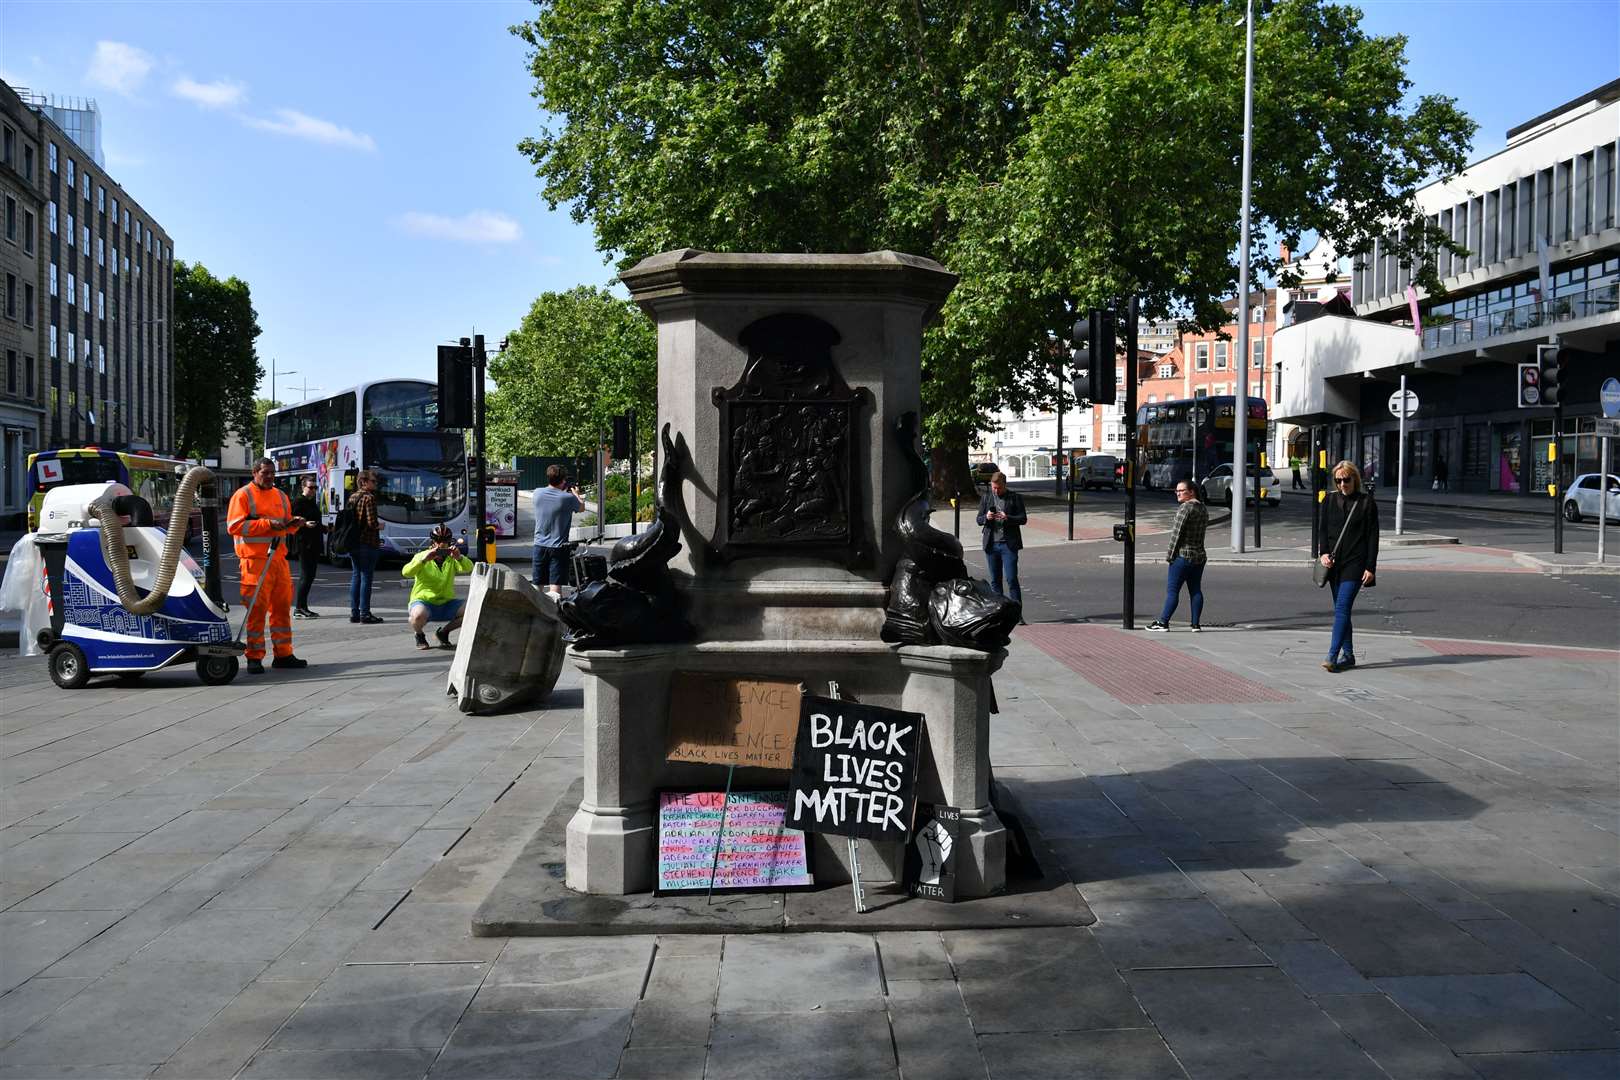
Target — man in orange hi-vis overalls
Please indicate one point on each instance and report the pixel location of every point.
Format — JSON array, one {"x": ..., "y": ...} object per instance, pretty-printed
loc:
[{"x": 260, "y": 519}]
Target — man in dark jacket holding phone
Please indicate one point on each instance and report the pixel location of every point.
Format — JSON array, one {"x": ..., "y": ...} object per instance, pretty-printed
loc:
[{"x": 1001, "y": 512}]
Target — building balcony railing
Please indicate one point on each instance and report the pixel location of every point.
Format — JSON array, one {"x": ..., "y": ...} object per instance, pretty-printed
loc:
[{"x": 1530, "y": 315}]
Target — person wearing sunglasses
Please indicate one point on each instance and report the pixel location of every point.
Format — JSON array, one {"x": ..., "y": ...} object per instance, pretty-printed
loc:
[{"x": 1347, "y": 545}]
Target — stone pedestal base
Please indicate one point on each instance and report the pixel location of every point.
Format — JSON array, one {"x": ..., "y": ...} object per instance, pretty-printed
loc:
[{"x": 612, "y": 836}]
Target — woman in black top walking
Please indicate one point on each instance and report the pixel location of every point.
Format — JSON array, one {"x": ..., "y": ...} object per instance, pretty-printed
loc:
[
  {"x": 1347, "y": 544},
  {"x": 307, "y": 544},
  {"x": 1186, "y": 557}
]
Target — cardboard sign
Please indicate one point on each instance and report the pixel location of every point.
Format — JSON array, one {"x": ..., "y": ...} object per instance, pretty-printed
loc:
[
  {"x": 931, "y": 855},
  {"x": 715, "y": 720},
  {"x": 854, "y": 770},
  {"x": 756, "y": 850}
]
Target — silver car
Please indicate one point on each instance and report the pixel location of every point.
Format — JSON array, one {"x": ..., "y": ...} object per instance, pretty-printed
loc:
[{"x": 1581, "y": 500}]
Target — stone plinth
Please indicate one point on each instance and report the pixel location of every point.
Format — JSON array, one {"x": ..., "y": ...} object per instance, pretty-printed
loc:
[
  {"x": 877, "y": 304},
  {"x": 612, "y": 837}
]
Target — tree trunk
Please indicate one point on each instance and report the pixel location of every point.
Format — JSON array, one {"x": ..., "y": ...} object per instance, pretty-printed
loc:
[{"x": 948, "y": 473}]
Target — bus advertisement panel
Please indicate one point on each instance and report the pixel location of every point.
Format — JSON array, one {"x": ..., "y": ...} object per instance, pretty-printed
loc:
[{"x": 390, "y": 427}]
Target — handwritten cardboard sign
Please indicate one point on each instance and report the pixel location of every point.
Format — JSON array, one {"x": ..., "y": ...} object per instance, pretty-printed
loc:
[
  {"x": 854, "y": 770},
  {"x": 931, "y": 855},
  {"x": 715, "y": 720},
  {"x": 756, "y": 850}
]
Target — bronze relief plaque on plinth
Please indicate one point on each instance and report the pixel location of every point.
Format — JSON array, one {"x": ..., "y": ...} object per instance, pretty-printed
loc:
[{"x": 788, "y": 450}]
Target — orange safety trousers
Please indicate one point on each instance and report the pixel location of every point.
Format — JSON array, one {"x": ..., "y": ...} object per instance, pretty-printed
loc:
[{"x": 274, "y": 603}]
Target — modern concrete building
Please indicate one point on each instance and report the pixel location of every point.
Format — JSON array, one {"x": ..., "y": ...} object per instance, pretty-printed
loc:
[
  {"x": 22, "y": 413},
  {"x": 104, "y": 288},
  {"x": 1538, "y": 220}
]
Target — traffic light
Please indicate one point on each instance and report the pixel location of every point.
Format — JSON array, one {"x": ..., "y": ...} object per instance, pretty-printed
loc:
[
  {"x": 621, "y": 435},
  {"x": 1529, "y": 386},
  {"x": 1551, "y": 359},
  {"x": 455, "y": 386},
  {"x": 1094, "y": 352}
]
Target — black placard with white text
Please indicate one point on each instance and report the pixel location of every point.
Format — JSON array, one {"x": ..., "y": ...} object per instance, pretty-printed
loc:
[
  {"x": 931, "y": 855},
  {"x": 854, "y": 770}
]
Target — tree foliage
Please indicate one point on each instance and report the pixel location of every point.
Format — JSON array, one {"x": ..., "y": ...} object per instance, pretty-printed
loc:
[
  {"x": 261, "y": 409},
  {"x": 580, "y": 358},
  {"x": 216, "y": 365},
  {"x": 1056, "y": 156}
]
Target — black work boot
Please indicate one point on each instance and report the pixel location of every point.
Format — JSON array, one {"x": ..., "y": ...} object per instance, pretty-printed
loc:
[
  {"x": 255, "y": 667},
  {"x": 289, "y": 661}
]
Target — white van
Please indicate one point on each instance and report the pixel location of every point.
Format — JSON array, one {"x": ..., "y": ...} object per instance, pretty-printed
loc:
[{"x": 1095, "y": 471}]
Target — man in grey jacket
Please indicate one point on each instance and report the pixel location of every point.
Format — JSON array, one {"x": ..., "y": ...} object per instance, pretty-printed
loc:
[{"x": 1001, "y": 512}]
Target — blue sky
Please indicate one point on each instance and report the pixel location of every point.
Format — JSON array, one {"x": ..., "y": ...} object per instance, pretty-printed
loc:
[{"x": 356, "y": 163}]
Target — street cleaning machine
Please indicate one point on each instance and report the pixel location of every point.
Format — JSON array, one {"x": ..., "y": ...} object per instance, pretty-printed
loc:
[{"x": 103, "y": 591}]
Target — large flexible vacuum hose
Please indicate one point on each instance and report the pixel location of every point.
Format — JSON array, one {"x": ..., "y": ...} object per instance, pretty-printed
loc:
[{"x": 116, "y": 553}]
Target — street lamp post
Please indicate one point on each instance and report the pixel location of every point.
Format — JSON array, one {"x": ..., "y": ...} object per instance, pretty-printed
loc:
[{"x": 1240, "y": 426}]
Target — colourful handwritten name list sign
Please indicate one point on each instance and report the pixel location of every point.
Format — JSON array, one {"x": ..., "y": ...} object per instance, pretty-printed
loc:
[{"x": 757, "y": 850}]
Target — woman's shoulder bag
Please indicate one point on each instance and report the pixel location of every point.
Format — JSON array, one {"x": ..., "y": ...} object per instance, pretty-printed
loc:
[{"x": 1319, "y": 573}]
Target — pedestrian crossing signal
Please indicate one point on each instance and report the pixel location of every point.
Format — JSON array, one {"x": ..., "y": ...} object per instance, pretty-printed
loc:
[
  {"x": 1551, "y": 359},
  {"x": 1530, "y": 386}
]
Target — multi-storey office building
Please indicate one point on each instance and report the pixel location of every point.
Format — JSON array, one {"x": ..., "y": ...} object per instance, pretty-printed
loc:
[
  {"x": 1540, "y": 226},
  {"x": 22, "y": 412},
  {"x": 105, "y": 293}
]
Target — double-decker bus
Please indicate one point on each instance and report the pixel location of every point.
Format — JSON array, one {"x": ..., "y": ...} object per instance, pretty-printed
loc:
[
  {"x": 153, "y": 478},
  {"x": 1189, "y": 438},
  {"x": 392, "y": 428}
]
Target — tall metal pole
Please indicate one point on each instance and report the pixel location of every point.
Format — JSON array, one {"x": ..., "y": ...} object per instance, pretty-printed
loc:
[
  {"x": 1131, "y": 314},
  {"x": 635, "y": 467},
  {"x": 1057, "y": 376},
  {"x": 1556, "y": 452},
  {"x": 1400, "y": 471},
  {"x": 1603, "y": 493},
  {"x": 486, "y": 542},
  {"x": 1318, "y": 468},
  {"x": 1240, "y": 426}
]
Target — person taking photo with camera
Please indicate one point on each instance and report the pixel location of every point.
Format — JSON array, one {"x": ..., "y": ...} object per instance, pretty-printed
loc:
[{"x": 433, "y": 572}]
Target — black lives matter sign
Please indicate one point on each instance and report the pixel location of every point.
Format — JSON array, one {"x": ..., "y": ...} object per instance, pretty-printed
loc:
[{"x": 854, "y": 770}]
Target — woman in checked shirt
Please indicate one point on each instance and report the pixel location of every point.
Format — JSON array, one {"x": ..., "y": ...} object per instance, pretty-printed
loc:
[{"x": 1186, "y": 557}]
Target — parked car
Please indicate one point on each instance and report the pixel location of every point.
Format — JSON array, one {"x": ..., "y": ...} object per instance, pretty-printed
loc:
[
  {"x": 982, "y": 471},
  {"x": 1581, "y": 500},
  {"x": 1098, "y": 470},
  {"x": 1218, "y": 485}
]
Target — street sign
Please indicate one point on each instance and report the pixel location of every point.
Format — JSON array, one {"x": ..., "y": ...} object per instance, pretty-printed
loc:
[
  {"x": 1529, "y": 386},
  {"x": 1608, "y": 427},
  {"x": 1403, "y": 404},
  {"x": 1609, "y": 397}
]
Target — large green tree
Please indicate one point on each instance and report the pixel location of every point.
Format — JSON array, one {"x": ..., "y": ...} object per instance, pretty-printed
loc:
[
  {"x": 580, "y": 358},
  {"x": 1055, "y": 156},
  {"x": 216, "y": 365}
]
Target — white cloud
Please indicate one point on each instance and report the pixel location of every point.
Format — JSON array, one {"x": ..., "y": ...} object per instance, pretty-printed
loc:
[
  {"x": 302, "y": 126},
  {"x": 118, "y": 67},
  {"x": 220, "y": 94},
  {"x": 474, "y": 227}
]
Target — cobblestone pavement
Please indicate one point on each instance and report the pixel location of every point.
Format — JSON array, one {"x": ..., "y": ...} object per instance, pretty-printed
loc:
[{"x": 1408, "y": 870}]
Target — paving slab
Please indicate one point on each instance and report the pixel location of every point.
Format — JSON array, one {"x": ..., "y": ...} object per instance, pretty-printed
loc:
[
  {"x": 1573, "y": 1065},
  {"x": 237, "y": 1031},
  {"x": 140, "y": 1012},
  {"x": 1053, "y": 979},
  {"x": 32, "y": 1002},
  {"x": 1171, "y": 933},
  {"x": 1400, "y": 1046},
  {"x": 382, "y": 1007},
  {"x": 802, "y": 1046},
  {"x": 560, "y": 973},
  {"x": 663, "y": 1063},
  {"x": 568, "y": 1044},
  {"x": 1382, "y": 931},
  {"x": 1247, "y": 1022},
  {"x": 1497, "y": 1013},
  {"x": 799, "y": 973},
  {"x": 32, "y": 941},
  {"x": 933, "y": 1035},
  {"x": 1132, "y": 1054},
  {"x": 339, "y": 1065}
]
